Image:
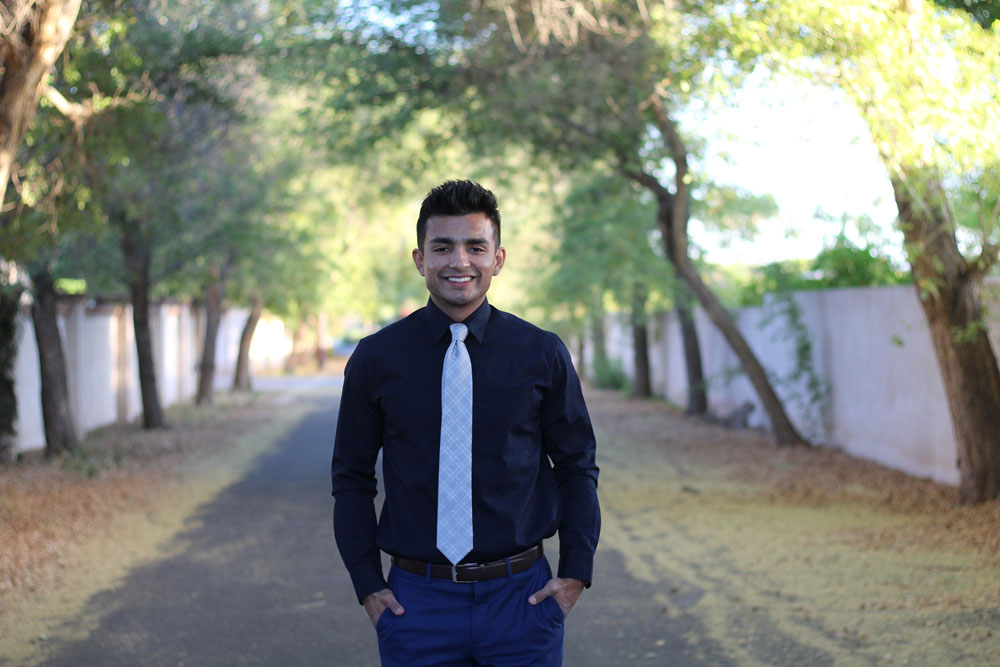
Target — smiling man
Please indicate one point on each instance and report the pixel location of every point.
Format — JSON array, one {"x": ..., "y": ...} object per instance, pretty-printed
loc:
[{"x": 487, "y": 449}]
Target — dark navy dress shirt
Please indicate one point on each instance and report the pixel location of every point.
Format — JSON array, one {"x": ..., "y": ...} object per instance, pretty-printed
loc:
[{"x": 533, "y": 447}]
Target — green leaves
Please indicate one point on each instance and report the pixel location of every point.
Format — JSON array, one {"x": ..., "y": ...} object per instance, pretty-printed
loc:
[
  {"x": 731, "y": 209},
  {"x": 842, "y": 263},
  {"x": 608, "y": 245}
]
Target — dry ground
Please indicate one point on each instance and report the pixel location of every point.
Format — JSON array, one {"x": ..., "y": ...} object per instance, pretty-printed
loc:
[
  {"x": 859, "y": 562},
  {"x": 72, "y": 526},
  {"x": 851, "y": 559}
]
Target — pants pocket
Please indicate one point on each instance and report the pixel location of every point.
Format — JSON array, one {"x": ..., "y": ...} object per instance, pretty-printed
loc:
[
  {"x": 555, "y": 611},
  {"x": 381, "y": 627}
]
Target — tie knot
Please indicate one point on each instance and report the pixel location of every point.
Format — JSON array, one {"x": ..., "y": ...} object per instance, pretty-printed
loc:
[{"x": 459, "y": 332}]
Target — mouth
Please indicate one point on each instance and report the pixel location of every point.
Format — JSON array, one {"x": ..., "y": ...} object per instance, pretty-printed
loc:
[{"x": 459, "y": 280}]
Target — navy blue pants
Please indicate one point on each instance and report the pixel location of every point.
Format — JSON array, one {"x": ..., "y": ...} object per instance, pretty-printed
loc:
[{"x": 484, "y": 623}]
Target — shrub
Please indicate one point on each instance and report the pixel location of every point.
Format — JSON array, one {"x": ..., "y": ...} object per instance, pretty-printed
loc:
[{"x": 609, "y": 375}]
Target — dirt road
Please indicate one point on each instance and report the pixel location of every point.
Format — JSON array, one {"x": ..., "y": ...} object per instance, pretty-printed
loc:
[{"x": 717, "y": 549}]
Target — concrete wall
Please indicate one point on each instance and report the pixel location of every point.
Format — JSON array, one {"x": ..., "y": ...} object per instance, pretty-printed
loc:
[
  {"x": 103, "y": 369},
  {"x": 872, "y": 351}
]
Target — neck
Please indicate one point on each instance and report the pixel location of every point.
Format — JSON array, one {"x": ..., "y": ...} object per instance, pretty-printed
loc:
[{"x": 458, "y": 313}]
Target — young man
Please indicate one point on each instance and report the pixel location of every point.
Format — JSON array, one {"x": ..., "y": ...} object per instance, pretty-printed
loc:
[{"x": 487, "y": 449}]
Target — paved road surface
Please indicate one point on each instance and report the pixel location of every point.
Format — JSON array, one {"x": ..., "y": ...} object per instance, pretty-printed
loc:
[{"x": 256, "y": 580}]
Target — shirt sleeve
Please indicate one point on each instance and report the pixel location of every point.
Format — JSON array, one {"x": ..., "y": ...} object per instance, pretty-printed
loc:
[
  {"x": 355, "y": 451},
  {"x": 569, "y": 442}
]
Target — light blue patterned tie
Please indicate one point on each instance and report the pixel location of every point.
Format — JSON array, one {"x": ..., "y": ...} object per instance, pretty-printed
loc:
[{"x": 454, "y": 511}]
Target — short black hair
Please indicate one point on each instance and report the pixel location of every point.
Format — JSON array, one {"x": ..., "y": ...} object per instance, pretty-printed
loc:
[{"x": 457, "y": 198}]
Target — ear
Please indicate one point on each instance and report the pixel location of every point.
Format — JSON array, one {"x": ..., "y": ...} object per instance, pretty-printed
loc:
[
  {"x": 418, "y": 260},
  {"x": 501, "y": 258}
]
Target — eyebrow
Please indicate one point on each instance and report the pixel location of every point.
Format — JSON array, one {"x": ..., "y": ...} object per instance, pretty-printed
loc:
[{"x": 451, "y": 241}]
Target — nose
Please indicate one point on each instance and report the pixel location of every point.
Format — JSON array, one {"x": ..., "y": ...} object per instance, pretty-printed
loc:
[{"x": 460, "y": 258}]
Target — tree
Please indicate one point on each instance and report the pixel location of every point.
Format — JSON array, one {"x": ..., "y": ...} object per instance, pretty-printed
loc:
[
  {"x": 581, "y": 83},
  {"x": 46, "y": 214},
  {"x": 258, "y": 253},
  {"x": 26, "y": 238},
  {"x": 229, "y": 199},
  {"x": 985, "y": 12},
  {"x": 61, "y": 433},
  {"x": 845, "y": 264},
  {"x": 925, "y": 81},
  {"x": 137, "y": 153},
  {"x": 109, "y": 179},
  {"x": 34, "y": 34},
  {"x": 10, "y": 306},
  {"x": 605, "y": 234}
]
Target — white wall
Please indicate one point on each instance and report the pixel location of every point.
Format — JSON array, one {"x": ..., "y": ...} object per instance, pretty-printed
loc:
[
  {"x": 28, "y": 386},
  {"x": 270, "y": 345},
  {"x": 102, "y": 366},
  {"x": 91, "y": 347},
  {"x": 872, "y": 349}
]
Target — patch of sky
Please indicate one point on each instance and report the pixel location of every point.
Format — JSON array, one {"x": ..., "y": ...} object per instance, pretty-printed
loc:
[{"x": 807, "y": 146}]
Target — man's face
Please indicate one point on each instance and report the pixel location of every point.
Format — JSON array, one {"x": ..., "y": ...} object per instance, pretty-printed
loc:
[{"x": 458, "y": 261}]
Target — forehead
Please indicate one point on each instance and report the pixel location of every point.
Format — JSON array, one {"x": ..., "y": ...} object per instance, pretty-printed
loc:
[{"x": 460, "y": 228}]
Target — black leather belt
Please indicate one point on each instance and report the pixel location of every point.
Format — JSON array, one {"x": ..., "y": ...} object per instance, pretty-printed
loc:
[{"x": 468, "y": 573}]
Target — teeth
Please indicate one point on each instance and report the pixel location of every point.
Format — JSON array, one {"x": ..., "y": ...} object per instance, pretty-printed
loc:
[{"x": 459, "y": 280}]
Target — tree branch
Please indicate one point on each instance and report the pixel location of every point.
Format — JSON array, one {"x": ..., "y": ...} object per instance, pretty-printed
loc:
[
  {"x": 649, "y": 182},
  {"x": 515, "y": 33},
  {"x": 976, "y": 268},
  {"x": 668, "y": 128},
  {"x": 682, "y": 189},
  {"x": 78, "y": 113},
  {"x": 14, "y": 16}
]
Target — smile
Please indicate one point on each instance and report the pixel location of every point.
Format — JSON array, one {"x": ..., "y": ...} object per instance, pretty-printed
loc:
[{"x": 463, "y": 279}]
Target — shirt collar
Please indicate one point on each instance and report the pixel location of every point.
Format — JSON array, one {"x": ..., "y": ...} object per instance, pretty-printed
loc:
[{"x": 439, "y": 323}]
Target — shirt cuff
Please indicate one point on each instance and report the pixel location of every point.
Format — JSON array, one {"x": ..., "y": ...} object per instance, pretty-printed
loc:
[
  {"x": 575, "y": 564},
  {"x": 367, "y": 580}
]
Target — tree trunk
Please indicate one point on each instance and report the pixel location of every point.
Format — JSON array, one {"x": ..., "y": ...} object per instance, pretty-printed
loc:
[
  {"x": 600, "y": 357},
  {"x": 948, "y": 286},
  {"x": 292, "y": 360},
  {"x": 241, "y": 380},
  {"x": 26, "y": 54},
  {"x": 672, "y": 216},
  {"x": 784, "y": 431},
  {"x": 321, "y": 342},
  {"x": 641, "y": 385},
  {"x": 697, "y": 399},
  {"x": 213, "y": 317},
  {"x": 10, "y": 308},
  {"x": 581, "y": 344},
  {"x": 137, "y": 260},
  {"x": 60, "y": 429}
]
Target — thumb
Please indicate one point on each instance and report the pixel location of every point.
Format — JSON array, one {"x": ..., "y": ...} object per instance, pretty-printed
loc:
[
  {"x": 393, "y": 604},
  {"x": 538, "y": 596}
]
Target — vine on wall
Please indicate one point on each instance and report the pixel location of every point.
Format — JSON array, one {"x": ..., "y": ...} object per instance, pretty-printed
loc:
[{"x": 803, "y": 385}]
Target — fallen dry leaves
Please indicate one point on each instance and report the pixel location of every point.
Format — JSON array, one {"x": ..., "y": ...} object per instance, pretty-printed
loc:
[
  {"x": 48, "y": 505},
  {"x": 811, "y": 476},
  {"x": 794, "y": 555}
]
